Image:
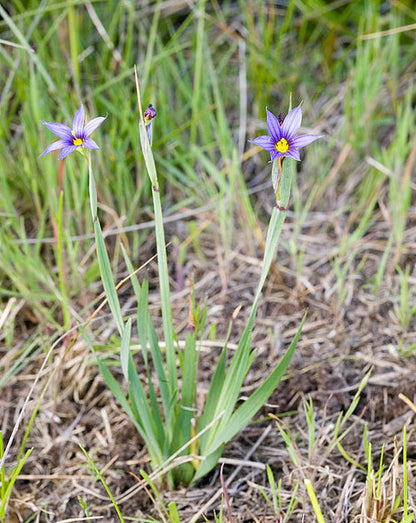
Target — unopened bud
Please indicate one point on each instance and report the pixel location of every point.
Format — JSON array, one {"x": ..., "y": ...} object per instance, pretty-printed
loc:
[{"x": 149, "y": 114}]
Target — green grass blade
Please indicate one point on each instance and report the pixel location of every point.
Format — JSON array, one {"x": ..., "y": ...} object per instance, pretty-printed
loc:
[
  {"x": 23, "y": 41},
  {"x": 157, "y": 358},
  {"x": 9, "y": 483},
  {"x": 214, "y": 393},
  {"x": 183, "y": 432},
  {"x": 102, "y": 255},
  {"x": 153, "y": 430},
  {"x": 125, "y": 353},
  {"x": 190, "y": 368},
  {"x": 115, "y": 388},
  {"x": 112, "y": 383},
  {"x": 143, "y": 319},
  {"x": 253, "y": 404},
  {"x": 107, "y": 278},
  {"x": 208, "y": 463},
  {"x": 100, "y": 476},
  {"x": 144, "y": 326},
  {"x": 314, "y": 501},
  {"x": 198, "y": 68},
  {"x": 92, "y": 190}
]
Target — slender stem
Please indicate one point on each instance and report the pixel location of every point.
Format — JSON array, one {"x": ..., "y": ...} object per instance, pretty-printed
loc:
[
  {"x": 92, "y": 189},
  {"x": 284, "y": 176},
  {"x": 161, "y": 257},
  {"x": 242, "y": 354},
  {"x": 165, "y": 292},
  {"x": 102, "y": 256}
]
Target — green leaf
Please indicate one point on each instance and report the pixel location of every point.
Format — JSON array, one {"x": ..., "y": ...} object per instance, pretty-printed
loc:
[
  {"x": 208, "y": 463},
  {"x": 143, "y": 320},
  {"x": 254, "y": 403},
  {"x": 214, "y": 393},
  {"x": 173, "y": 513},
  {"x": 117, "y": 392},
  {"x": 190, "y": 368},
  {"x": 125, "y": 350},
  {"x": 182, "y": 432},
  {"x": 107, "y": 278},
  {"x": 92, "y": 190},
  {"x": 166, "y": 305},
  {"x": 159, "y": 365},
  {"x": 100, "y": 476}
]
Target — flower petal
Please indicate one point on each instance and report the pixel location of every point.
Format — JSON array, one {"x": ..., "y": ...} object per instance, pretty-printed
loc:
[
  {"x": 274, "y": 127},
  {"x": 273, "y": 155},
  {"x": 92, "y": 125},
  {"x": 293, "y": 153},
  {"x": 54, "y": 147},
  {"x": 149, "y": 130},
  {"x": 78, "y": 123},
  {"x": 292, "y": 123},
  {"x": 89, "y": 143},
  {"x": 61, "y": 130},
  {"x": 265, "y": 142},
  {"x": 68, "y": 150},
  {"x": 305, "y": 139}
]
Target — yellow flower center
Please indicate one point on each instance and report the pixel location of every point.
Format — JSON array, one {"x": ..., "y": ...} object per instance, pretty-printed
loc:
[
  {"x": 282, "y": 146},
  {"x": 76, "y": 141}
]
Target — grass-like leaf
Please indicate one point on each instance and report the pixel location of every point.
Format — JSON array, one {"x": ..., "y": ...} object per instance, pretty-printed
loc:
[{"x": 100, "y": 476}]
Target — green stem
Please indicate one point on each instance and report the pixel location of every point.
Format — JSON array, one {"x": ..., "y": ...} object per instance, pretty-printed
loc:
[
  {"x": 102, "y": 255},
  {"x": 92, "y": 189},
  {"x": 165, "y": 292},
  {"x": 284, "y": 176},
  {"x": 242, "y": 354},
  {"x": 162, "y": 262}
]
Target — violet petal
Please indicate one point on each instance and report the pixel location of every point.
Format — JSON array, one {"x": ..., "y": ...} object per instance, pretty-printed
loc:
[
  {"x": 61, "y": 130},
  {"x": 274, "y": 127},
  {"x": 292, "y": 123},
  {"x": 265, "y": 142},
  {"x": 78, "y": 123},
  {"x": 92, "y": 125},
  {"x": 54, "y": 147}
]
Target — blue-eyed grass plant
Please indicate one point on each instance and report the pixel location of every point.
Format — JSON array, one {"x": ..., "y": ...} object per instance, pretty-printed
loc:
[{"x": 177, "y": 437}]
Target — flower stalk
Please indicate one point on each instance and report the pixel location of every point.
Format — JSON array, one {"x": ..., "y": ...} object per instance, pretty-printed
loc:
[{"x": 160, "y": 246}]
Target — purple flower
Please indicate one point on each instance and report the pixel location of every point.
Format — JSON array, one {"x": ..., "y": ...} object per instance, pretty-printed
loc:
[
  {"x": 149, "y": 114},
  {"x": 76, "y": 138},
  {"x": 282, "y": 140}
]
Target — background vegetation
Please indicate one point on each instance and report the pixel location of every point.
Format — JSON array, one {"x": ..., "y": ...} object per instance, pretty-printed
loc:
[{"x": 347, "y": 254}]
